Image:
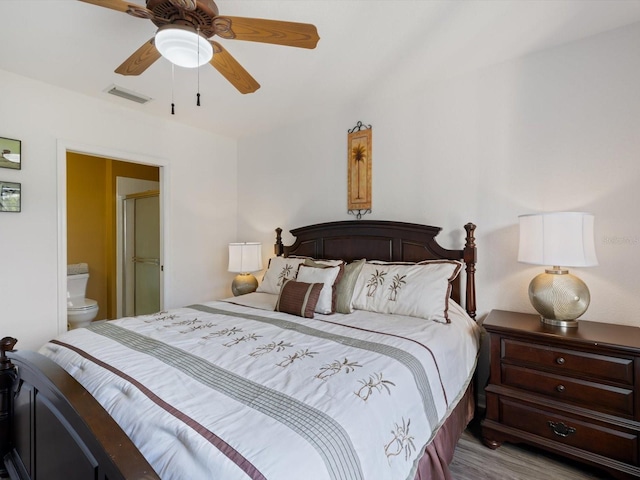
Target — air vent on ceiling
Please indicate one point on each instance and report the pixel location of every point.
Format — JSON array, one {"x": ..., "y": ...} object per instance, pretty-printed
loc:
[{"x": 128, "y": 94}]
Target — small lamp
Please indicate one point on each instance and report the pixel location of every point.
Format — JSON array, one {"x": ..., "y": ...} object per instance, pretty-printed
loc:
[
  {"x": 563, "y": 239},
  {"x": 244, "y": 258}
]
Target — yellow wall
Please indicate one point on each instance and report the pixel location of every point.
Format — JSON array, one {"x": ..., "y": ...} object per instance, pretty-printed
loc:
[{"x": 91, "y": 220}]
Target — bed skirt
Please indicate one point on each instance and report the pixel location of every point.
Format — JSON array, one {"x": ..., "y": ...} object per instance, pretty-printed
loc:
[{"x": 434, "y": 464}]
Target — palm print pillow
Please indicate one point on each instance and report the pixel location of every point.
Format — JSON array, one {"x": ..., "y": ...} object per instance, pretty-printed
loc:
[
  {"x": 279, "y": 270},
  {"x": 417, "y": 290}
]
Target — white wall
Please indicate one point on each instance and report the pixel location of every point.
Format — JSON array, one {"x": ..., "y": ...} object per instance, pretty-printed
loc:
[
  {"x": 557, "y": 130},
  {"x": 200, "y": 209},
  {"x": 553, "y": 131}
]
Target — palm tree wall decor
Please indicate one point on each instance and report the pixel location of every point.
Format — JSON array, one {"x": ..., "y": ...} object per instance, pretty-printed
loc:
[
  {"x": 359, "y": 169},
  {"x": 359, "y": 155}
]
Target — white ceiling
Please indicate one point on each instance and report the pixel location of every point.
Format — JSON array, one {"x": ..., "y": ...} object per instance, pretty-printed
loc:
[{"x": 366, "y": 47}]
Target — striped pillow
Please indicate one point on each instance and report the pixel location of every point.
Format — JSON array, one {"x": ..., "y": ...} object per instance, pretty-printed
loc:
[{"x": 298, "y": 298}]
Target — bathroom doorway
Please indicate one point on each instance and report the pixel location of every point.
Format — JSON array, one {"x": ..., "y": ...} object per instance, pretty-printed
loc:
[{"x": 92, "y": 224}]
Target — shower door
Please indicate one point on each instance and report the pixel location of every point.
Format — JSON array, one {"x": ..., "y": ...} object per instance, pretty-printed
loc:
[{"x": 142, "y": 253}]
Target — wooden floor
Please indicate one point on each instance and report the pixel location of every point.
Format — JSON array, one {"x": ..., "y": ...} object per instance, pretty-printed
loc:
[{"x": 474, "y": 461}]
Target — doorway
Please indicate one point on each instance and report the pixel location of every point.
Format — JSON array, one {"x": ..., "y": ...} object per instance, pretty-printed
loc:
[{"x": 94, "y": 238}]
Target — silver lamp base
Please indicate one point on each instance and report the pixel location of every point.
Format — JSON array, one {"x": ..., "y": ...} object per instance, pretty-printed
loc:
[
  {"x": 243, "y": 284},
  {"x": 559, "y": 297}
]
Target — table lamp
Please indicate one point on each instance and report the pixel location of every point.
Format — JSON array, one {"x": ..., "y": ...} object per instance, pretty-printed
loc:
[
  {"x": 562, "y": 239},
  {"x": 244, "y": 258}
]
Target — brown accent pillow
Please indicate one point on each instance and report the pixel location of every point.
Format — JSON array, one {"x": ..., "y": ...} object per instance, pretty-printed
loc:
[{"x": 298, "y": 298}]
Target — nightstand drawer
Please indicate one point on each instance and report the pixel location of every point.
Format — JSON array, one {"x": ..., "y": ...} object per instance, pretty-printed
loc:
[
  {"x": 568, "y": 362},
  {"x": 578, "y": 433},
  {"x": 596, "y": 396}
]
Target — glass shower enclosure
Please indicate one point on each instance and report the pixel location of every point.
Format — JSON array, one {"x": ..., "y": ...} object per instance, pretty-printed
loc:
[{"x": 141, "y": 253}]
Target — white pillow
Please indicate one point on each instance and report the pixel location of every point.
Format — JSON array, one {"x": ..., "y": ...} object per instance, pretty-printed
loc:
[
  {"x": 417, "y": 290},
  {"x": 325, "y": 275},
  {"x": 312, "y": 262},
  {"x": 279, "y": 270}
]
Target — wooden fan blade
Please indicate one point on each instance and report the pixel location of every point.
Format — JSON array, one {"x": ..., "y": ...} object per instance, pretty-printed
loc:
[
  {"x": 303, "y": 35},
  {"x": 140, "y": 60},
  {"x": 232, "y": 70},
  {"x": 119, "y": 5}
]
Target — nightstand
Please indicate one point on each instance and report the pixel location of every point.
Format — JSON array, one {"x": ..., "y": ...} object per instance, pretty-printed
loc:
[{"x": 574, "y": 392}]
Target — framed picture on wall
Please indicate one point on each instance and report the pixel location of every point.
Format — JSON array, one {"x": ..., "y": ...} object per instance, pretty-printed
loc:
[
  {"x": 10, "y": 197},
  {"x": 10, "y": 151},
  {"x": 359, "y": 170}
]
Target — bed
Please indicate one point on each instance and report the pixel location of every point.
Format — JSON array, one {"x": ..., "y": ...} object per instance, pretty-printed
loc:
[{"x": 273, "y": 384}]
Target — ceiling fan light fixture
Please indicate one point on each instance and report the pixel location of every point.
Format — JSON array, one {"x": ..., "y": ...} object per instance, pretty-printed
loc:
[{"x": 183, "y": 46}]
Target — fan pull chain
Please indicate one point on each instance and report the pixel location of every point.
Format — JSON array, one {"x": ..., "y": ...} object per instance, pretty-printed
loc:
[
  {"x": 173, "y": 80},
  {"x": 198, "y": 94}
]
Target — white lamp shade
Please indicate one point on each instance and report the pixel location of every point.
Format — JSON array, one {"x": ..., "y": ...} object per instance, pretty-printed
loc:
[
  {"x": 560, "y": 239},
  {"x": 183, "y": 46},
  {"x": 245, "y": 257}
]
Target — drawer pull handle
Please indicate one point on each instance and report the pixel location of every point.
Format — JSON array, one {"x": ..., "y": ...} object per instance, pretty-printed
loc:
[
  {"x": 561, "y": 388},
  {"x": 560, "y": 360},
  {"x": 561, "y": 429}
]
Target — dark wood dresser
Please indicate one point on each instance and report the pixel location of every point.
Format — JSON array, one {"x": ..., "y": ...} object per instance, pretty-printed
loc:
[{"x": 574, "y": 392}]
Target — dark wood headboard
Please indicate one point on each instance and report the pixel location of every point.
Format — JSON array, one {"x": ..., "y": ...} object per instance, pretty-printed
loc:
[{"x": 384, "y": 240}]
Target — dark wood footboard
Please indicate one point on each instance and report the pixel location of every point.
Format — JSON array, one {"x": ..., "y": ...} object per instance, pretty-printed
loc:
[{"x": 51, "y": 428}]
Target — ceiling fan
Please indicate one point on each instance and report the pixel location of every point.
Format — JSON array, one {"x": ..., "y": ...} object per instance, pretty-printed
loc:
[{"x": 185, "y": 29}]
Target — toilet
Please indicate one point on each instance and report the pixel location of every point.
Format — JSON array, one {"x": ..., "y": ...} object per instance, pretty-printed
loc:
[{"x": 80, "y": 310}]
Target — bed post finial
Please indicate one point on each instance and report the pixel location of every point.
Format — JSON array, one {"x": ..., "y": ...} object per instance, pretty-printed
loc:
[
  {"x": 6, "y": 345},
  {"x": 470, "y": 259},
  {"x": 8, "y": 375},
  {"x": 279, "y": 246}
]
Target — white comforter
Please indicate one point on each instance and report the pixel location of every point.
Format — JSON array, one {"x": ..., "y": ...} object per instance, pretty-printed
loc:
[{"x": 228, "y": 391}]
